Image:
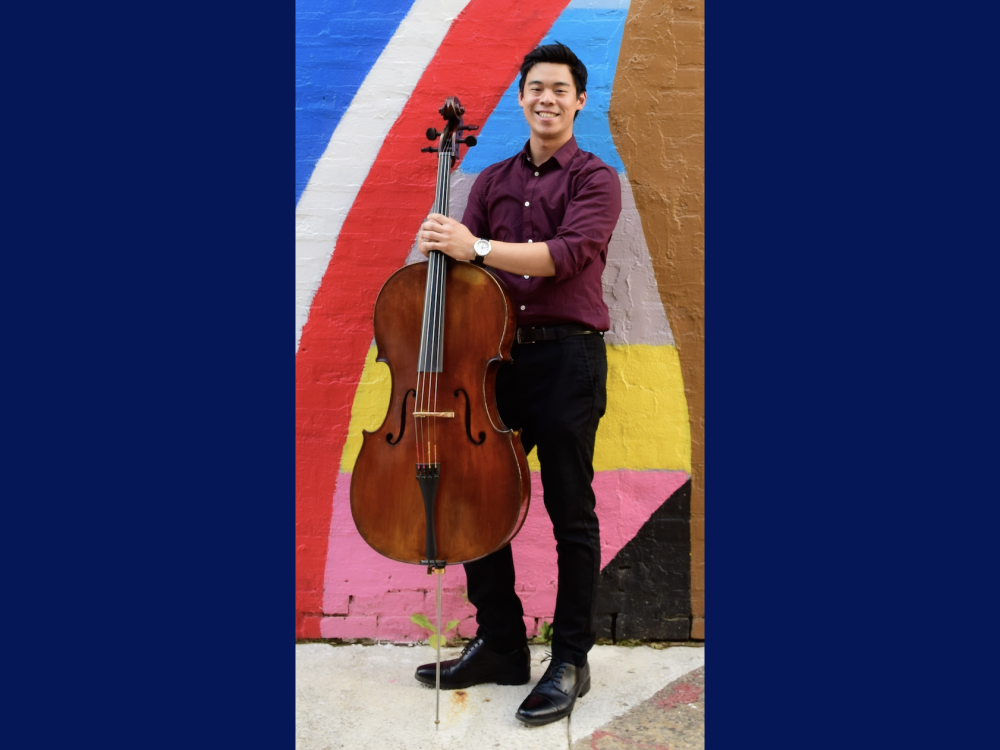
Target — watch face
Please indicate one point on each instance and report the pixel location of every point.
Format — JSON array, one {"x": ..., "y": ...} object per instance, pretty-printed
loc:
[{"x": 482, "y": 247}]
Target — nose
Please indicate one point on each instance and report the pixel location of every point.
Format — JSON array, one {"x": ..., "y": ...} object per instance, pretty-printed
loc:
[{"x": 547, "y": 96}]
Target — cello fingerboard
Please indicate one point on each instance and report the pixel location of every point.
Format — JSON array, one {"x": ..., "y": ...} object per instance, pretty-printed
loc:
[{"x": 431, "y": 357}]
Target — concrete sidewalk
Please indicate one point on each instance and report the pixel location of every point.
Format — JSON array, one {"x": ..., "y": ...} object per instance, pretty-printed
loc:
[{"x": 365, "y": 697}]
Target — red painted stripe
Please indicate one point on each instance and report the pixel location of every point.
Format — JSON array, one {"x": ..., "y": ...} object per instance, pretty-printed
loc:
[{"x": 477, "y": 60}]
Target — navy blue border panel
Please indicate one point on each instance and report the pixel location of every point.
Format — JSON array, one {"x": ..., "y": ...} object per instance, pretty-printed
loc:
[
  {"x": 148, "y": 286},
  {"x": 336, "y": 44},
  {"x": 851, "y": 403}
]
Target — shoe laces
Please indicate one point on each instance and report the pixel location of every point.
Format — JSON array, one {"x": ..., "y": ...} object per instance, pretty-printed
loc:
[
  {"x": 470, "y": 645},
  {"x": 555, "y": 669}
]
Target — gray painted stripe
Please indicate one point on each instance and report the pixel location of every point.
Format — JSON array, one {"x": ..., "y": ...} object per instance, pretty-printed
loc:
[{"x": 630, "y": 291}]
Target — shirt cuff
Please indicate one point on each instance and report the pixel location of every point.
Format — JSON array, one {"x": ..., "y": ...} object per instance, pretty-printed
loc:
[{"x": 559, "y": 251}]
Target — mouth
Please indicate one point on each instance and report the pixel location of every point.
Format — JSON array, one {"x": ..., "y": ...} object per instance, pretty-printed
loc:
[{"x": 546, "y": 115}]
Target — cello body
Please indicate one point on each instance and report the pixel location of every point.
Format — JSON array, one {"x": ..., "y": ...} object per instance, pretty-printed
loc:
[
  {"x": 483, "y": 490},
  {"x": 442, "y": 480}
]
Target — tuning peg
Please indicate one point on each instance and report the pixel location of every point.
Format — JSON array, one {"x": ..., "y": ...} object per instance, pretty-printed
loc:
[
  {"x": 469, "y": 140},
  {"x": 468, "y": 127},
  {"x": 433, "y": 134},
  {"x": 429, "y": 150}
]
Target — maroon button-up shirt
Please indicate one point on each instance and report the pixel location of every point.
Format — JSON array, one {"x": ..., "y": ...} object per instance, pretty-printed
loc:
[{"x": 571, "y": 203}]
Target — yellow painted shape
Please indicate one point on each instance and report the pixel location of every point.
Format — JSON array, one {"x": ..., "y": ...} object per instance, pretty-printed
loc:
[
  {"x": 646, "y": 425},
  {"x": 369, "y": 407}
]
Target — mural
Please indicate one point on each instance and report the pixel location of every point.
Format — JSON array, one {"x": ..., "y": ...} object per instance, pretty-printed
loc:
[{"x": 370, "y": 79}]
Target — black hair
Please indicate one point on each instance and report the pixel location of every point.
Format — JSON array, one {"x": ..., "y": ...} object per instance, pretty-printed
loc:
[{"x": 560, "y": 54}]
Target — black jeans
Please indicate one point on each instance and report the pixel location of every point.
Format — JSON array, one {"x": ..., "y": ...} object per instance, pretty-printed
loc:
[{"x": 556, "y": 393}]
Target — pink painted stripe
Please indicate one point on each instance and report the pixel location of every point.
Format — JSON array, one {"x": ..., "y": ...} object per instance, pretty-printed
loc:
[{"x": 360, "y": 583}]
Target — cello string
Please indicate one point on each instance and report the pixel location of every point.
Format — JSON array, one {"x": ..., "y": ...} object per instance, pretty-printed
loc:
[
  {"x": 417, "y": 427},
  {"x": 439, "y": 349},
  {"x": 444, "y": 172},
  {"x": 430, "y": 316},
  {"x": 432, "y": 290},
  {"x": 420, "y": 399},
  {"x": 436, "y": 314},
  {"x": 434, "y": 328},
  {"x": 422, "y": 368},
  {"x": 438, "y": 344},
  {"x": 422, "y": 434}
]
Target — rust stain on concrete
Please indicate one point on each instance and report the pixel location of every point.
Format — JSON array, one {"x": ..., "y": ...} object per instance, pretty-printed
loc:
[
  {"x": 455, "y": 703},
  {"x": 657, "y": 120}
]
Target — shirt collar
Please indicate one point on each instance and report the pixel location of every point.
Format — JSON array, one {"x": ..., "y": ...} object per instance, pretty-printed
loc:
[{"x": 562, "y": 157}]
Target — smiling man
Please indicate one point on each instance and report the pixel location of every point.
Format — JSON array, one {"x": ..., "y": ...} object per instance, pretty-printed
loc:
[{"x": 541, "y": 220}]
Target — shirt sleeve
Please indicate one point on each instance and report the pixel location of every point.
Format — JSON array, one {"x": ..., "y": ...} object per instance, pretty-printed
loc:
[
  {"x": 476, "y": 217},
  {"x": 586, "y": 228}
]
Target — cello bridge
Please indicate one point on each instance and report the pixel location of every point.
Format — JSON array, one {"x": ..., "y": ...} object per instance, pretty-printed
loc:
[{"x": 443, "y": 414}]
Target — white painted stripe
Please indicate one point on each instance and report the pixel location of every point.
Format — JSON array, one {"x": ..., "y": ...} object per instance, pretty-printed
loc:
[{"x": 355, "y": 143}]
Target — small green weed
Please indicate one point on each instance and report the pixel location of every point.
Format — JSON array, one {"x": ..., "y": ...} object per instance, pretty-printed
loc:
[
  {"x": 545, "y": 632},
  {"x": 422, "y": 621}
]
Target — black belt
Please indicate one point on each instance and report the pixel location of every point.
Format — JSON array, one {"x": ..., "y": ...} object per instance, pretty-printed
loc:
[{"x": 528, "y": 335}]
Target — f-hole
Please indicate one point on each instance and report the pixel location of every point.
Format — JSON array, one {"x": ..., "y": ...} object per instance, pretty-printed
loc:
[
  {"x": 468, "y": 420},
  {"x": 402, "y": 419}
]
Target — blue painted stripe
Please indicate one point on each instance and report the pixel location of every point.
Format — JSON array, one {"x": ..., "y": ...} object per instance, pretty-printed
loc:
[
  {"x": 336, "y": 44},
  {"x": 595, "y": 35}
]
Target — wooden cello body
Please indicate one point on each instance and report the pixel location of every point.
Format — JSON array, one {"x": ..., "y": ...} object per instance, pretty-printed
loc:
[{"x": 442, "y": 480}]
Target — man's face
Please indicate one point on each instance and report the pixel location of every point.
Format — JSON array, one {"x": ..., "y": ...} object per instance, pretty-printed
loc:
[{"x": 550, "y": 100}]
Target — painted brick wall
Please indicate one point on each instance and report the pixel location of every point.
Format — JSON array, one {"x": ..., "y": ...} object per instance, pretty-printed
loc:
[
  {"x": 370, "y": 78},
  {"x": 659, "y": 114}
]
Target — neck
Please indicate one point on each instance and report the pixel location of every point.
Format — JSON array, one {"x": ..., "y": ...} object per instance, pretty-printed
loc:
[{"x": 541, "y": 150}]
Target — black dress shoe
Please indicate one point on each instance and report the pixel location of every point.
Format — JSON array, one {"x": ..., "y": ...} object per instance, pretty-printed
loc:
[
  {"x": 555, "y": 694},
  {"x": 479, "y": 664}
]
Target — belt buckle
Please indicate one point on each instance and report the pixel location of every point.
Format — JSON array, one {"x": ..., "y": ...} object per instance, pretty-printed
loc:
[{"x": 518, "y": 336}]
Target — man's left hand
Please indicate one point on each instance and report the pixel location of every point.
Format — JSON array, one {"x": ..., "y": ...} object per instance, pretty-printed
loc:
[{"x": 447, "y": 235}]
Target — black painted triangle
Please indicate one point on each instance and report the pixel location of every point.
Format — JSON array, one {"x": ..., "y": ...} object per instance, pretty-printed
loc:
[{"x": 644, "y": 592}]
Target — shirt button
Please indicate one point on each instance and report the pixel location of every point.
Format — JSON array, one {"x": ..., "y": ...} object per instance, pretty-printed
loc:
[
  {"x": 529, "y": 240},
  {"x": 526, "y": 276},
  {"x": 522, "y": 307},
  {"x": 536, "y": 174},
  {"x": 527, "y": 203}
]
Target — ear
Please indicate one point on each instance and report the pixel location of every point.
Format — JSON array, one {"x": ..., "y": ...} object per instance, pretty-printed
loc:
[
  {"x": 581, "y": 99},
  {"x": 520, "y": 98}
]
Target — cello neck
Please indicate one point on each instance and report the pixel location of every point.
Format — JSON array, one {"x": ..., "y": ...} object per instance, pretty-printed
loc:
[
  {"x": 442, "y": 193},
  {"x": 431, "y": 356}
]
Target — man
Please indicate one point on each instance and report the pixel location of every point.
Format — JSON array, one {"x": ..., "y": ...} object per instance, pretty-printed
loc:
[{"x": 541, "y": 220}]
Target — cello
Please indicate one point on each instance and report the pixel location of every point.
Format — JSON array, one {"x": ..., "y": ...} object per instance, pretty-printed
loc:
[{"x": 442, "y": 481}]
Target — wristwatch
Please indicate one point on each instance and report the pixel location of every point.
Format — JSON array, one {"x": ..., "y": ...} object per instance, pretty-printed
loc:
[{"x": 482, "y": 248}]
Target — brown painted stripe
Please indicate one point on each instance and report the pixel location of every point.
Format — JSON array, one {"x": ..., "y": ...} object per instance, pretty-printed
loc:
[{"x": 657, "y": 120}]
